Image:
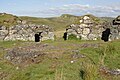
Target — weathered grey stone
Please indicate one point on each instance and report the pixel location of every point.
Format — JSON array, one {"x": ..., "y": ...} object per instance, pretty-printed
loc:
[
  {"x": 92, "y": 37},
  {"x": 26, "y": 32},
  {"x": 88, "y": 30},
  {"x": 24, "y": 55},
  {"x": 114, "y": 34},
  {"x": 85, "y": 30}
]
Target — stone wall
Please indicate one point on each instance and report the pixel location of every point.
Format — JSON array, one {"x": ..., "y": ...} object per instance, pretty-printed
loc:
[
  {"x": 115, "y": 32},
  {"x": 87, "y": 29},
  {"x": 26, "y": 32}
]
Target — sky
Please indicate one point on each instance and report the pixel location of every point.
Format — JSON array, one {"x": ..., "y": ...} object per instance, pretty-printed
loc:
[{"x": 53, "y": 8}]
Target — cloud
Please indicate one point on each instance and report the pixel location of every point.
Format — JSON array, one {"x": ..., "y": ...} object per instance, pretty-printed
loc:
[
  {"x": 11, "y": 4},
  {"x": 77, "y": 9}
]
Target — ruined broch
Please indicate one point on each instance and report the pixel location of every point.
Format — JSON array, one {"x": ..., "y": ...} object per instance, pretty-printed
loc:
[
  {"x": 88, "y": 29},
  {"x": 115, "y": 30},
  {"x": 24, "y": 31}
]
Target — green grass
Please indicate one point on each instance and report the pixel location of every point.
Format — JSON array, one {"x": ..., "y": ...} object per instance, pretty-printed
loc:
[
  {"x": 8, "y": 20},
  {"x": 58, "y": 66},
  {"x": 57, "y": 23},
  {"x": 62, "y": 68},
  {"x": 60, "y": 23}
]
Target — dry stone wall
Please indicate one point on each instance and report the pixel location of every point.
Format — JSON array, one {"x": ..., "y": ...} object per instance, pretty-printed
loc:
[
  {"x": 25, "y": 32},
  {"x": 87, "y": 29}
]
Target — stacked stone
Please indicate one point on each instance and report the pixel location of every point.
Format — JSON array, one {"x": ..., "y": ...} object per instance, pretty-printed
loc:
[
  {"x": 115, "y": 33},
  {"x": 21, "y": 55},
  {"x": 115, "y": 30},
  {"x": 86, "y": 30},
  {"x": 25, "y": 32}
]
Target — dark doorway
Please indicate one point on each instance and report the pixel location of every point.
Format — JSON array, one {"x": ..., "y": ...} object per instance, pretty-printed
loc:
[
  {"x": 105, "y": 35},
  {"x": 37, "y": 38},
  {"x": 65, "y": 36}
]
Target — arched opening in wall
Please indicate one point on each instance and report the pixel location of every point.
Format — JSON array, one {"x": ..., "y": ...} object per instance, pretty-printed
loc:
[
  {"x": 105, "y": 34},
  {"x": 37, "y": 38},
  {"x": 65, "y": 36}
]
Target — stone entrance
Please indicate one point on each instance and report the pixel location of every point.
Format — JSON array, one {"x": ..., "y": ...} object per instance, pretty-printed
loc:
[
  {"x": 37, "y": 38},
  {"x": 105, "y": 35}
]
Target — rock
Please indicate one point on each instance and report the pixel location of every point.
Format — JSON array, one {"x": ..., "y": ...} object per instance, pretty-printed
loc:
[
  {"x": 105, "y": 70},
  {"x": 17, "y": 68},
  {"x": 92, "y": 37},
  {"x": 114, "y": 34},
  {"x": 47, "y": 35},
  {"x": 87, "y": 20},
  {"x": 76, "y": 54},
  {"x": 25, "y": 32},
  {"x": 71, "y": 61},
  {"x": 115, "y": 72},
  {"x": 84, "y": 30},
  {"x": 51, "y": 35},
  {"x": 84, "y": 37},
  {"x": 88, "y": 29},
  {"x": 21, "y": 55},
  {"x": 81, "y": 21}
]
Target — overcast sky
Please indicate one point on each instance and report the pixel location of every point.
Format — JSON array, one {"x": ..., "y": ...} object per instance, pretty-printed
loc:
[{"x": 51, "y": 8}]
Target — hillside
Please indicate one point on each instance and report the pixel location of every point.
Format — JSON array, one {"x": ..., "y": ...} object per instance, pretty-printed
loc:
[
  {"x": 8, "y": 19},
  {"x": 107, "y": 18},
  {"x": 58, "y": 23}
]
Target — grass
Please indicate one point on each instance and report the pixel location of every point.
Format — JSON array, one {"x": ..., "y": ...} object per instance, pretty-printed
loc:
[
  {"x": 58, "y": 66},
  {"x": 8, "y": 20},
  {"x": 62, "y": 68},
  {"x": 62, "y": 22},
  {"x": 57, "y": 23}
]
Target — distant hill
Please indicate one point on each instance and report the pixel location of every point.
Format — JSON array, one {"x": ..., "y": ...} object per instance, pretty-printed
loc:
[
  {"x": 58, "y": 23},
  {"x": 68, "y": 16},
  {"x": 107, "y": 18},
  {"x": 55, "y": 22}
]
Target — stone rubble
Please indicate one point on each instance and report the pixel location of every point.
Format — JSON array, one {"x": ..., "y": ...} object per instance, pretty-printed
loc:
[
  {"x": 26, "y": 32},
  {"x": 105, "y": 70},
  {"x": 87, "y": 29},
  {"x": 21, "y": 55}
]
